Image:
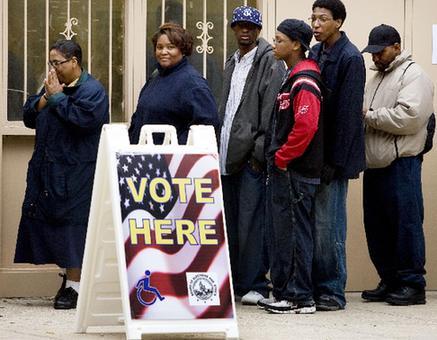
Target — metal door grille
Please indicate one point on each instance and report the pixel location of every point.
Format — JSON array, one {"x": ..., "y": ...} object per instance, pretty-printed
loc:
[{"x": 33, "y": 25}]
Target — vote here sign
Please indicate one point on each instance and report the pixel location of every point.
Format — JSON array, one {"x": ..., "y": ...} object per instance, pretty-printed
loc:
[{"x": 174, "y": 239}]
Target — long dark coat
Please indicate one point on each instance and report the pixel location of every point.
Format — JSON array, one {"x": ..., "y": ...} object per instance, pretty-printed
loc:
[{"x": 61, "y": 172}]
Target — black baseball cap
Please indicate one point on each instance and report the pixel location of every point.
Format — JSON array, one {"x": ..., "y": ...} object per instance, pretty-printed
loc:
[
  {"x": 380, "y": 37},
  {"x": 297, "y": 30}
]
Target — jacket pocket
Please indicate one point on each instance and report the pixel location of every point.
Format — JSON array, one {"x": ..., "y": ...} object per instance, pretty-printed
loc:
[
  {"x": 396, "y": 147},
  {"x": 380, "y": 148},
  {"x": 281, "y": 187},
  {"x": 53, "y": 198},
  {"x": 57, "y": 183}
]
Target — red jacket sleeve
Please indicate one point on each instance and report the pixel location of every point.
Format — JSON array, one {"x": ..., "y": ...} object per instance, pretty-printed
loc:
[{"x": 306, "y": 107}]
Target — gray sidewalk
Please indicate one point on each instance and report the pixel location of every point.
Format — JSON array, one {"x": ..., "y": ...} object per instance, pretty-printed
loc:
[{"x": 34, "y": 318}]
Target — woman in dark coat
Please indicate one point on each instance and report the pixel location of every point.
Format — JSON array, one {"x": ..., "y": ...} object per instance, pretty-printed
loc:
[
  {"x": 68, "y": 115},
  {"x": 176, "y": 94}
]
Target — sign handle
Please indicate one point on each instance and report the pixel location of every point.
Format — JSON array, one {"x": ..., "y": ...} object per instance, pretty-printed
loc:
[{"x": 169, "y": 131}]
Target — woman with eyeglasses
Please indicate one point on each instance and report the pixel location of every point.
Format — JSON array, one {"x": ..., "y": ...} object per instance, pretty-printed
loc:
[{"x": 67, "y": 115}]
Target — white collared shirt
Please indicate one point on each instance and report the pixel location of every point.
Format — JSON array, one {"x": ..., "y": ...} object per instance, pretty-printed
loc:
[{"x": 238, "y": 81}]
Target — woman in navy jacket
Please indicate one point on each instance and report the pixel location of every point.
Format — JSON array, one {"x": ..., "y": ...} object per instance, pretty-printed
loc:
[
  {"x": 175, "y": 94},
  {"x": 67, "y": 115}
]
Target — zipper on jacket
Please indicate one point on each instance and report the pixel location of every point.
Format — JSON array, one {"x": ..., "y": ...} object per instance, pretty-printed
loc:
[
  {"x": 373, "y": 98},
  {"x": 376, "y": 90}
]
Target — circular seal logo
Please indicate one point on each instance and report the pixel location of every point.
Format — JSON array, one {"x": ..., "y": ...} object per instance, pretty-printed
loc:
[{"x": 203, "y": 287}]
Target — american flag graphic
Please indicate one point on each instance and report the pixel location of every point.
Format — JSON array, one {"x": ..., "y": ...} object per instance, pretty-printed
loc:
[{"x": 170, "y": 265}]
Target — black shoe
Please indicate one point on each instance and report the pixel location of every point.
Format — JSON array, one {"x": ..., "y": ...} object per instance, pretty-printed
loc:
[
  {"x": 61, "y": 290},
  {"x": 328, "y": 305},
  {"x": 405, "y": 296},
  {"x": 67, "y": 299},
  {"x": 380, "y": 293}
]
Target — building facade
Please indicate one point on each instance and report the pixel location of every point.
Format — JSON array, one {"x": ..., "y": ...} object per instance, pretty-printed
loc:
[{"x": 116, "y": 39}]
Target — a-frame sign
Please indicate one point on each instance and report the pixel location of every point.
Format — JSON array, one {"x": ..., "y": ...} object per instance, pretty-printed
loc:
[{"x": 156, "y": 257}]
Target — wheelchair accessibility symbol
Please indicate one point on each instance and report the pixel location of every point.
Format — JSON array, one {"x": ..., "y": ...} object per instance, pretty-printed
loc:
[{"x": 143, "y": 285}]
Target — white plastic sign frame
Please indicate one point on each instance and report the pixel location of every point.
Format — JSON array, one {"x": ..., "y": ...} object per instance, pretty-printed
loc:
[{"x": 103, "y": 303}]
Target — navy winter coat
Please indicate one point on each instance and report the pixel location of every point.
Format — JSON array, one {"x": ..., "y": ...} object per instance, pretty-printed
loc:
[
  {"x": 344, "y": 74},
  {"x": 61, "y": 172},
  {"x": 177, "y": 96}
]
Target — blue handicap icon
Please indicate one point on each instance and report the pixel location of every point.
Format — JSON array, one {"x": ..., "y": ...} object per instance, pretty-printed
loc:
[{"x": 143, "y": 285}]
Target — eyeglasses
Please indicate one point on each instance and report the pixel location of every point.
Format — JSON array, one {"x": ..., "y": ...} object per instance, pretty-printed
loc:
[
  {"x": 322, "y": 19},
  {"x": 279, "y": 41},
  {"x": 56, "y": 63}
]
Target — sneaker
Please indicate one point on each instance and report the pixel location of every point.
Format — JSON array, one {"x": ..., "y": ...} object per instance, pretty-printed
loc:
[
  {"x": 280, "y": 307},
  {"x": 305, "y": 308},
  {"x": 251, "y": 298},
  {"x": 288, "y": 307},
  {"x": 67, "y": 299},
  {"x": 264, "y": 302},
  {"x": 328, "y": 305},
  {"x": 378, "y": 294},
  {"x": 405, "y": 296}
]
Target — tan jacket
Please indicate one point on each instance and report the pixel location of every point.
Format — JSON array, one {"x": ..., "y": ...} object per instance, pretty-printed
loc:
[{"x": 400, "y": 102}]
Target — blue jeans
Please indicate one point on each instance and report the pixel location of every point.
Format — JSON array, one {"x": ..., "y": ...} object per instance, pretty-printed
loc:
[
  {"x": 291, "y": 211},
  {"x": 329, "y": 264},
  {"x": 244, "y": 202},
  {"x": 393, "y": 220}
]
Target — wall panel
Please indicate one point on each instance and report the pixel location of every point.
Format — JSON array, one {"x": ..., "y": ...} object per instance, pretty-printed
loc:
[
  {"x": 18, "y": 279},
  {"x": 412, "y": 18},
  {"x": 423, "y": 17}
]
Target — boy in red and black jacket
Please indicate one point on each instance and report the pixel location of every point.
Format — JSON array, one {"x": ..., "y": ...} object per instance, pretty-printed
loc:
[{"x": 295, "y": 160}]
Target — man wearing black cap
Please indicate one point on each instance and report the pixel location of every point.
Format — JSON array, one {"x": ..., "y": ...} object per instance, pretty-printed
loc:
[
  {"x": 294, "y": 160},
  {"x": 398, "y": 103},
  {"x": 343, "y": 72},
  {"x": 251, "y": 80}
]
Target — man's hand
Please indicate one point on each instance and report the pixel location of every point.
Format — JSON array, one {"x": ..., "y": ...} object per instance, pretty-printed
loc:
[
  {"x": 328, "y": 174},
  {"x": 255, "y": 165}
]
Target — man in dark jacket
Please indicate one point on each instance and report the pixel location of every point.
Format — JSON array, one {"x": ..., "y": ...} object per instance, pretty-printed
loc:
[
  {"x": 343, "y": 73},
  {"x": 294, "y": 161},
  {"x": 252, "y": 78}
]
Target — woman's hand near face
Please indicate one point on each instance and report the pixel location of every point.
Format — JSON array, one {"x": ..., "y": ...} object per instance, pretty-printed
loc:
[{"x": 52, "y": 84}]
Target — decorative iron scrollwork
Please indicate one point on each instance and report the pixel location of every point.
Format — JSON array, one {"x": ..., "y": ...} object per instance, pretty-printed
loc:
[
  {"x": 68, "y": 32},
  {"x": 204, "y": 37}
]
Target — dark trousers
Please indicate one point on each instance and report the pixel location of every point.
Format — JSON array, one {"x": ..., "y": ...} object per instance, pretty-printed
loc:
[
  {"x": 393, "y": 220},
  {"x": 291, "y": 212},
  {"x": 244, "y": 202}
]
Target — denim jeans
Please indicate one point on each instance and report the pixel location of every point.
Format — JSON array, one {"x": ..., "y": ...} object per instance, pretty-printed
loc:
[
  {"x": 291, "y": 212},
  {"x": 393, "y": 220},
  {"x": 244, "y": 202},
  {"x": 329, "y": 264}
]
